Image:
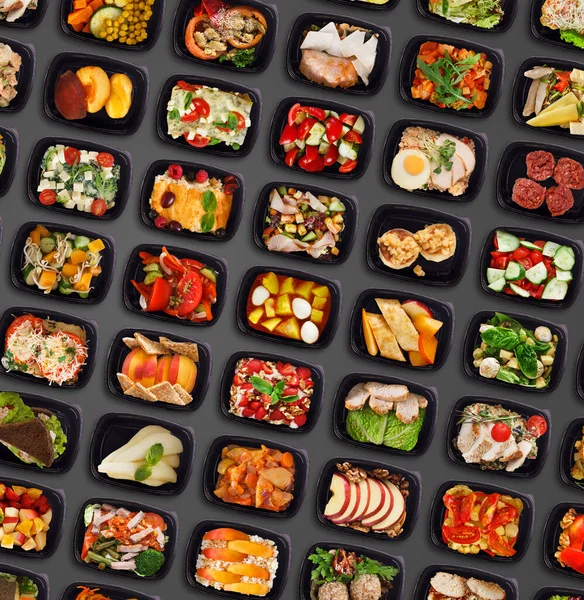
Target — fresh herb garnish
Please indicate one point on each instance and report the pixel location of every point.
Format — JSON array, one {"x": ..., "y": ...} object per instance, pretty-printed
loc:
[
  {"x": 209, "y": 203},
  {"x": 230, "y": 123},
  {"x": 153, "y": 456},
  {"x": 240, "y": 58},
  {"x": 445, "y": 153},
  {"x": 274, "y": 391}
]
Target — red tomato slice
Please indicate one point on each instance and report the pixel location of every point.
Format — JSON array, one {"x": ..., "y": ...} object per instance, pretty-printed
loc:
[
  {"x": 537, "y": 425},
  {"x": 461, "y": 534},
  {"x": 98, "y": 207},
  {"x": 289, "y": 135},
  {"x": 291, "y": 157},
  {"x": 353, "y": 137},
  {"x": 536, "y": 256},
  {"x": 202, "y": 107},
  {"x": 190, "y": 292},
  {"x": 499, "y": 545},
  {"x": 520, "y": 253},
  {"x": 334, "y": 129},
  {"x": 105, "y": 159},
  {"x": 155, "y": 521},
  {"x": 504, "y": 515},
  {"x": 240, "y": 120},
  {"x": 35, "y": 323},
  {"x": 161, "y": 291},
  {"x": 466, "y": 507},
  {"x": 331, "y": 156},
  {"x": 348, "y": 166},
  {"x": 190, "y": 87},
  {"x": 293, "y": 113},
  {"x": 348, "y": 119},
  {"x": 314, "y": 111},
  {"x": 191, "y": 117},
  {"x": 488, "y": 509},
  {"x": 199, "y": 141},
  {"x": 48, "y": 197},
  {"x": 305, "y": 127},
  {"x": 312, "y": 166},
  {"x": 72, "y": 156},
  {"x": 88, "y": 540}
]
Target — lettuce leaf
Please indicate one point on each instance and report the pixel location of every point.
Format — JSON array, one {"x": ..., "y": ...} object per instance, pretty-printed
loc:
[
  {"x": 572, "y": 37},
  {"x": 402, "y": 436},
  {"x": 18, "y": 410},
  {"x": 60, "y": 442},
  {"x": 365, "y": 425}
]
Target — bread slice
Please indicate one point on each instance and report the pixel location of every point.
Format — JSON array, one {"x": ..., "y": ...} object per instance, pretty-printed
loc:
[{"x": 31, "y": 437}]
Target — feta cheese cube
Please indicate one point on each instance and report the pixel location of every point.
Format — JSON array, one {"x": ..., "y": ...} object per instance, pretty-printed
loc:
[{"x": 78, "y": 186}]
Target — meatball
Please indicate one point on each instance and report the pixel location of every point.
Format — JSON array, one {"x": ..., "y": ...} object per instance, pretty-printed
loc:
[
  {"x": 559, "y": 200},
  {"x": 543, "y": 334},
  {"x": 528, "y": 194},
  {"x": 540, "y": 165},
  {"x": 489, "y": 367},
  {"x": 366, "y": 587},
  {"x": 333, "y": 590},
  {"x": 569, "y": 173}
]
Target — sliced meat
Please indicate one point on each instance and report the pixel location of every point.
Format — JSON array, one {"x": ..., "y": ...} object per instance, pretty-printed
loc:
[
  {"x": 282, "y": 243},
  {"x": 467, "y": 436},
  {"x": 559, "y": 200},
  {"x": 285, "y": 205},
  {"x": 528, "y": 194},
  {"x": 356, "y": 397},
  {"x": 569, "y": 173},
  {"x": 422, "y": 400},
  {"x": 485, "y": 590},
  {"x": 330, "y": 71},
  {"x": 408, "y": 411},
  {"x": 525, "y": 448},
  {"x": 449, "y": 585},
  {"x": 380, "y": 406},
  {"x": 391, "y": 392},
  {"x": 540, "y": 165}
]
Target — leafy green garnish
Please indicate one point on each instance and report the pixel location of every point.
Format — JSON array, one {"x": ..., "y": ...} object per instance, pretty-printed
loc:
[
  {"x": 209, "y": 201},
  {"x": 207, "y": 222},
  {"x": 230, "y": 123},
  {"x": 573, "y": 37},
  {"x": 153, "y": 456},
  {"x": 240, "y": 58},
  {"x": 274, "y": 391}
]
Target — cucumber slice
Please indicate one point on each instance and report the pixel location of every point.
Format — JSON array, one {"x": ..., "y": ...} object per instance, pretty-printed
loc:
[
  {"x": 323, "y": 147},
  {"x": 65, "y": 288},
  {"x": 564, "y": 275},
  {"x": 316, "y": 134},
  {"x": 336, "y": 206},
  {"x": 359, "y": 125},
  {"x": 288, "y": 147},
  {"x": 498, "y": 285},
  {"x": 151, "y": 267},
  {"x": 563, "y": 258},
  {"x": 309, "y": 237},
  {"x": 537, "y": 274},
  {"x": 100, "y": 16},
  {"x": 282, "y": 190},
  {"x": 47, "y": 244},
  {"x": 209, "y": 274},
  {"x": 301, "y": 144},
  {"x": 506, "y": 242},
  {"x": 514, "y": 271},
  {"x": 519, "y": 290},
  {"x": 550, "y": 248},
  {"x": 152, "y": 277},
  {"x": 495, "y": 274},
  {"x": 27, "y": 273},
  {"x": 555, "y": 289},
  {"x": 81, "y": 242},
  {"x": 347, "y": 151},
  {"x": 529, "y": 245}
]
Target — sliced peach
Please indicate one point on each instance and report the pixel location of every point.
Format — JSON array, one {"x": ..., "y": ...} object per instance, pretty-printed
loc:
[
  {"x": 427, "y": 345},
  {"x": 416, "y": 359},
  {"x": 218, "y": 576},
  {"x": 119, "y": 100},
  {"x": 252, "y": 548},
  {"x": 97, "y": 87},
  {"x": 149, "y": 367},
  {"x": 223, "y": 554},
  {"x": 247, "y": 570},
  {"x": 173, "y": 372},
  {"x": 163, "y": 368},
  {"x": 187, "y": 373},
  {"x": 372, "y": 347},
  {"x": 226, "y": 534},
  {"x": 425, "y": 324},
  {"x": 251, "y": 589}
]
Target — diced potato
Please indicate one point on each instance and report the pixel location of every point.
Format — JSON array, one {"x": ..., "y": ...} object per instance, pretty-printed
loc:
[
  {"x": 289, "y": 328},
  {"x": 256, "y": 315},
  {"x": 270, "y": 282},
  {"x": 321, "y": 291},
  {"x": 283, "y": 305},
  {"x": 287, "y": 286},
  {"x": 316, "y": 316},
  {"x": 303, "y": 289},
  {"x": 270, "y": 307},
  {"x": 318, "y": 303},
  {"x": 290, "y": 228},
  {"x": 546, "y": 360},
  {"x": 271, "y": 324}
]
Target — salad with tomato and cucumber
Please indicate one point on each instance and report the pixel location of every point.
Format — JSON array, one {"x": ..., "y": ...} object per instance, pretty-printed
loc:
[
  {"x": 179, "y": 287},
  {"x": 540, "y": 269},
  {"x": 316, "y": 139},
  {"x": 207, "y": 116},
  {"x": 85, "y": 180}
]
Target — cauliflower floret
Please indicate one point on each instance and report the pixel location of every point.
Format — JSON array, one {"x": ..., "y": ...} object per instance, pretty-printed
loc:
[{"x": 489, "y": 367}]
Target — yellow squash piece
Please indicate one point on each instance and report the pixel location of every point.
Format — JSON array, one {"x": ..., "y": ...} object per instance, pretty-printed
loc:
[
  {"x": 84, "y": 283},
  {"x": 77, "y": 257},
  {"x": 561, "y": 116},
  {"x": 69, "y": 270},
  {"x": 96, "y": 246},
  {"x": 47, "y": 279}
]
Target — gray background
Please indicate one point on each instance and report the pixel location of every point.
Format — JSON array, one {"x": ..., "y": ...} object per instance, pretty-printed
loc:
[{"x": 354, "y": 276}]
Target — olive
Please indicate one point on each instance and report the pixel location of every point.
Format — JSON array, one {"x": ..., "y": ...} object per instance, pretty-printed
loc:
[
  {"x": 221, "y": 233},
  {"x": 191, "y": 175},
  {"x": 153, "y": 214},
  {"x": 175, "y": 226},
  {"x": 167, "y": 200}
]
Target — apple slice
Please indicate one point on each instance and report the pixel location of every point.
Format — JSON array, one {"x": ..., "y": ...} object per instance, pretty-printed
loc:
[
  {"x": 354, "y": 499},
  {"x": 361, "y": 506},
  {"x": 414, "y": 308},
  {"x": 397, "y": 510},
  {"x": 340, "y": 495},
  {"x": 383, "y": 511},
  {"x": 370, "y": 341},
  {"x": 424, "y": 324},
  {"x": 377, "y": 493}
]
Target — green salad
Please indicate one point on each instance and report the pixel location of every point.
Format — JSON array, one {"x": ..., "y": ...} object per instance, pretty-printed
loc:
[{"x": 484, "y": 14}]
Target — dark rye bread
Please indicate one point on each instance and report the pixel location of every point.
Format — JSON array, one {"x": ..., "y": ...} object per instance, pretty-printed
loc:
[
  {"x": 31, "y": 437},
  {"x": 8, "y": 589}
]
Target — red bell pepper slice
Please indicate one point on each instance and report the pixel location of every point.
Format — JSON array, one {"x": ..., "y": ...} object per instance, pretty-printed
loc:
[
  {"x": 88, "y": 540},
  {"x": 348, "y": 166},
  {"x": 172, "y": 262},
  {"x": 573, "y": 558},
  {"x": 488, "y": 509},
  {"x": 143, "y": 289},
  {"x": 499, "y": 546}
]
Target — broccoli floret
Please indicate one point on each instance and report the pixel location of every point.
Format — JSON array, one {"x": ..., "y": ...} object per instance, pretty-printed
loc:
[
  {"x": 27, "y": 587},
  {"x": 240, "y": 58},
  {"x": 149, "y": 562}
]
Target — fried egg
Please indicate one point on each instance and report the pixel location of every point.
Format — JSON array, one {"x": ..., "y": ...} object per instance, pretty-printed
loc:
[{"x": 410, "y": 169}]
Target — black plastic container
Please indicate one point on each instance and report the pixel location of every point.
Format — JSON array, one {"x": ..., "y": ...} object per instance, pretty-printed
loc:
[
  {"x": 521, "y": 85},
  {"x": 391, "y": 148},
  {"x": 396, "y": 592},
  {"x": 339, "y": 414},
  {"x": 264, "y": 50},
  {"x": 423, "y": 582},
  {"x": 34, "y": 170},
  {"x": 153, "y": 30},
  {"x": 472, "y": 340},
  {"x": 69, "y": 416},
  {"x": 378, "y": 74},
  {"x": 315, "y": 400},
  {"x": 512, "y": 167},
  {"x": 531, "y": 235},
  {"x": 117, "y": 353},
  {"x": 56, "y": 500},
  {"x": 366, "y": 5},
  {"x": 407, "y": 69},
  {"x": 412, "y": 218},
  {"x": 412, "y": 501},
  {"x": 526, "y": 519},
  {"x": 24, "y": 76},
  {"x": 113, "y": 430},
  {"x": 327, "y": 334},
  {"x": 159, "y": 167},
  {"x": 134, "y": 271},
  {"x": 530, "y": 468},
  {"x": 10, "y": 140},
  {"x": 281, "y": 540},
  {"x": 573, "y": 433},
  {"x": 90, "y": 328},
  {"x": 545, "y": 34},
  {"x": 98, "y": 121},
  {"x": 580, "y": 374},
  {"x": 350, "y": 217},
  {"x": 547, "y": 592},
  {"x": 30, "y": 19},
  {"x": 280, "y": 120},
  {"x": 169, "y": 549},
  {"x": 219, "y": 149},
  {"x": 40, "y": 579},
  {"x": 101, "y": 283},
  {"x": 213, "y": 458},
  {"x": 551, "y": 535},
  {"x": 509, "y": 8},
  {"x": 110, "y": 591},
  {"x": 443, "y": 311}
]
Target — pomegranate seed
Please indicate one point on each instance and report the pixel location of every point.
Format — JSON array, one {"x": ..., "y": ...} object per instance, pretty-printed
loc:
[
  {"x": 260, "y": 413},
  {"x": 160, "y": 222},
  {"x": 202, "y": 176},
  {"x": 300, "y": 420},
  {"x": 248, "y": 412}
]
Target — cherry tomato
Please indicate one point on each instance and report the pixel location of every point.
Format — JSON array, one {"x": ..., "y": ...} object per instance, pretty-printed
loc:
[
  {"x": 313, "y": 111},
  {"x": 520, "y": 253},
  {"x": 291, "y": 157},
  {"x": 525, "y": 262},
  {"x": 199, "y": 141},
  {"x": 190, "y": 292},
  {"x": 190, "y": 117},
  {"x": 240, "y": 120},
  {"x": 98, "y": 207},
  {"x": 48, "y": 197},
  {"x": 203, "y": 108},
  {"x": 72, "y": 156},
  {"x": 348, "y": 119},
  {"x": 161, "y": 291},
  {"x": 539, "y": 243},
  {"x": 294, "y": 111},
  {"x": 537, "y": 425},
  {"x": 289, "y": 135},
  {"x": 353, "y": 137},
  {"x": 334, "y": 129},
  {"x": 348, "y": 166},
  {"x": 312, "y": 166},
  {"x": 501, "y": 432},
  {"x": 331, "y": 156},
  {"x": 189, "y": 87},
  {"x": 305, "y": 127},
  {"x": 105, "y": 159}
]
